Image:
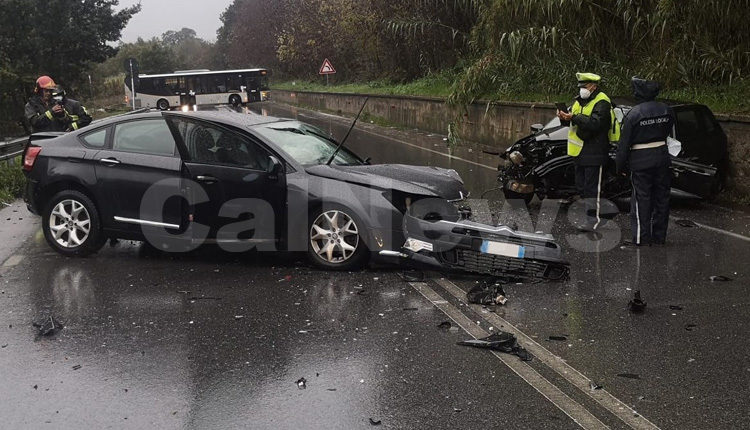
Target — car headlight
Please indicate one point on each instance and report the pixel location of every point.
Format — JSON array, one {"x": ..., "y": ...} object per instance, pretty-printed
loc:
[{"x": 516, "y": 157}]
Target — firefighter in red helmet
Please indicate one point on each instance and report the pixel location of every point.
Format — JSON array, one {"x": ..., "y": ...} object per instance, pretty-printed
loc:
[{"x": 50, "y": 110}]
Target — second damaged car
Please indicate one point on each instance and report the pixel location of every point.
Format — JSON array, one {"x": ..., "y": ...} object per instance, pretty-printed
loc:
[{"x": 180, "y": 180}]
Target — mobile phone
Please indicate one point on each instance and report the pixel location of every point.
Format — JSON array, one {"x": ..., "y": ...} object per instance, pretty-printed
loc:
[{"x": 562, "y": 107}]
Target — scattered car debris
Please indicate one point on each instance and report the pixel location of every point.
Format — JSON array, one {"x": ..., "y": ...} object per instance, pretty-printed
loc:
[
  {"x": 637, "y": 305},
  {"x": 685, "y": 223},
  {"x": 183, "y": 291},
  {"x": 719, "y": 278},
  {"x": 239, "y": 317},
  {"x": 675, "y": 307},
  {"x": 594, "y": 386},
  {"x": 501, "y": 341},
  {"x": 204, "y": 298},
  {"x": 375, "y": 422},
  {"x": 48, "y": 326},
  {"x": 4, "y": 346},
  {"x": 77, "y": 366},
  {"x": 558, "y": 338},
  {"x": 690, "y": 327},
  {"x": 411, "y": 309},
  {"x": 412, "y": 275},
  {"x": 488, "y": 292},
  {"x": 629, "y": 375},
  {"x": 301, "y": 383},
  {"x": 330, "y": 389}
]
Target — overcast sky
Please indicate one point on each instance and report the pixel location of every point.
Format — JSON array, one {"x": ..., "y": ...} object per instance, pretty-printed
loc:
[{"x": 159, "y": 16}]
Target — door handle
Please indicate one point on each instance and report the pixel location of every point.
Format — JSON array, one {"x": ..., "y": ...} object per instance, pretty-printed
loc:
[
  {"x": 206, "y": 178},
  {"x": 109, "y": 161}
]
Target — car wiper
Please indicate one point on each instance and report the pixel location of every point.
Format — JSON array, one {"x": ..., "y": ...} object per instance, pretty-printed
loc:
[
  {"x": 289, "y": 129},
  {"x": 347, "y": 133}
]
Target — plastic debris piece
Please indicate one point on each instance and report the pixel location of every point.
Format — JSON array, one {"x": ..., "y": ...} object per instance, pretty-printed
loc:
[
  {"x": 375, "y": 422},
  {"x": 488, "y": 292},
  {"x": 48, "y": 326},
  {"x": 690, "y": 327},
  {"x": 560, "y": 338},
  {"x": 675, "y": 307},
  {"x": 685, "y": 223},
  {"x": 629, "y": 375},
  {"x": 719, "y": 278},
  {"x": 301, "y": 383},
  {"x": 77, "y": 366},
  {"x": 330, "y": 389},
  {"x": 410, "y": 309},
  {"x": 594, "y": 386},
  {"x": 239, "y": 317},
  {"x": 204, "y": 298},
  {"x": 637, "y": 305},
  {"x": 501, "y": 341},
  {"x": 412, "y": 275}
]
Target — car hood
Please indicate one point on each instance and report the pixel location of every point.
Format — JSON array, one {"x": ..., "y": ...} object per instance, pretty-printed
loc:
[{"x": 422, "y": 180}]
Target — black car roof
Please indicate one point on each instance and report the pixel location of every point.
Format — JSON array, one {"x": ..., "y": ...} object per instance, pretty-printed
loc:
[
  {"x": 240, "y": 120},
  {"x": 629, "y": 101}
]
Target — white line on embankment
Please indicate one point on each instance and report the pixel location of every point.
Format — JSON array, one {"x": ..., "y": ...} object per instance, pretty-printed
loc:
[
  {"x": 576, "y": 378},
  {"x": 570, "y": 407}
]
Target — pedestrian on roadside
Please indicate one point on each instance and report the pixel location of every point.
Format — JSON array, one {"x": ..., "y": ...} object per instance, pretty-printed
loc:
[
  {"x": 592, "y": 126},
  {"x": 643, "y": 151},
  {"x": 50, "y": 110}
]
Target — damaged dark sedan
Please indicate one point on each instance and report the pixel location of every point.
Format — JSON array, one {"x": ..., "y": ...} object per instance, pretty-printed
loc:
[{"x": 239, "y": 181}]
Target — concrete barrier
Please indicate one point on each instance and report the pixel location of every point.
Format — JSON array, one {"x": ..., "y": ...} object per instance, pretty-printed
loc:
[{"x": 497, "y": 124}]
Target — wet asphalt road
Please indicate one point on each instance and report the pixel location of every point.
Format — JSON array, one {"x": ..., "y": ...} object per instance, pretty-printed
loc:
[{"x": 216, "y": 340}]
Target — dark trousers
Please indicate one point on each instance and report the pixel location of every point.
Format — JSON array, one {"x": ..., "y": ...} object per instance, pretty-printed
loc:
[
  {"x": 649, "y": 205},
  {"x": 589, "y": 186}
]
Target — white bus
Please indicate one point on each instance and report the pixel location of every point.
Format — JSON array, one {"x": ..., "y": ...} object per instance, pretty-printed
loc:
[{"x": 188, "y": 88}]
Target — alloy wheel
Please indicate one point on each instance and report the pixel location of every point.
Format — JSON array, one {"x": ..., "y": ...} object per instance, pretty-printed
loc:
[
  {"x": 70, "y": 223},
  {"x": 334, "y": 236}
]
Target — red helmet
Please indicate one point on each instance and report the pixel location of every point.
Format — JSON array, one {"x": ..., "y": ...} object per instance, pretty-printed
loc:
[{"x": 45, "y": 82}]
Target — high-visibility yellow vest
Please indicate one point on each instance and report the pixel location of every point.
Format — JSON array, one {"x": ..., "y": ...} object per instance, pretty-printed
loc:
[{"x": 575, "y": 143}]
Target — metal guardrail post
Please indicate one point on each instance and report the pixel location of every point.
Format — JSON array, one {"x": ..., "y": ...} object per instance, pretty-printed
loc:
[{"x": 12, "y": 149}]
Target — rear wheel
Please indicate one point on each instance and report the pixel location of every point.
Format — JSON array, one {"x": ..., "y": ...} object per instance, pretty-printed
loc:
[
  {"x": 71, "y": 224},
  {"x": 336, "y": 242},
  {"x": 162, "y": 104}
]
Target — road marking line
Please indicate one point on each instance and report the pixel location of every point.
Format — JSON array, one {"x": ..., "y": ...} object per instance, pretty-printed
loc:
[
  {"x": 13, "y": 260},
  {"x": 576, "y": 378},
  {"x": 717, "y": 230},
  {"x": 577, "y": 412}
]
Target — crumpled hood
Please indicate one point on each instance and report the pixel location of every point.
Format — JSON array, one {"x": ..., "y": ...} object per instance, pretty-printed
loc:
[
  {"x": 432, "y": 181},
  {"x": 644, "y": 90}
]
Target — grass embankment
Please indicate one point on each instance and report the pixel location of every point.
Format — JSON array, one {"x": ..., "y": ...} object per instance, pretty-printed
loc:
[
  {"x": 726, "y": 99},
  {"x": 12, "y": 180}
]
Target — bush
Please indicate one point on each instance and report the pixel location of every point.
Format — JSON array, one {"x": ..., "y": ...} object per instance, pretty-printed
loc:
[{"x": 12, "y": 180}]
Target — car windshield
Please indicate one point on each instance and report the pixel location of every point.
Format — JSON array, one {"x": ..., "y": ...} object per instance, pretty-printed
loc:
[{"x": 306, "y": 144}]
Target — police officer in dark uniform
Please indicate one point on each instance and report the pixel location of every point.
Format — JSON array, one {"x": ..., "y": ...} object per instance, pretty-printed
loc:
[
  {"x": 643, "y": 151},
  {"x": 591, "y": 120}
]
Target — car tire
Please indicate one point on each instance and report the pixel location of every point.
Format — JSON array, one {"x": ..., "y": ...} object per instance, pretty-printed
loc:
[
  {"x": 71, "y": 224},
  {"x": 162, "y": 104},
  {"x": 336, "y": 239},
  {"x": 235, "y": 100}
]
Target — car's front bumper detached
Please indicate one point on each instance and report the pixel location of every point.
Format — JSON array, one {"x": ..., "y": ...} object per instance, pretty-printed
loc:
[{"x": 483, "y": 249}]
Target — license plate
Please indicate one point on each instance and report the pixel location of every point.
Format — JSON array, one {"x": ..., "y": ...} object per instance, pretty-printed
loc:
[{"x": 504, "y": 249}]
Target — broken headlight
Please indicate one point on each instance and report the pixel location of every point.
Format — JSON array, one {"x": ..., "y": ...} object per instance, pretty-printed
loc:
[{"x": 516, "y": 158}]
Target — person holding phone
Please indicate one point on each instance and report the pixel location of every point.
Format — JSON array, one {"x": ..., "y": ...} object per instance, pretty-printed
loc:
[{"x": 591, "y": 126}]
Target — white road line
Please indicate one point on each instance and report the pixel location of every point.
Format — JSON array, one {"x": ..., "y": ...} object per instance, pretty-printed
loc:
[
  {"x": 570, "y": 407},
  {"x": 717, "y": 230},
  {"x": 579, "y": 380},
  {"x": 13, "y": 260}
]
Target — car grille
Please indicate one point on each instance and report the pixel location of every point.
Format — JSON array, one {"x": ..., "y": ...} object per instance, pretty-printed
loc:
[{"x": 498, "y": 265}]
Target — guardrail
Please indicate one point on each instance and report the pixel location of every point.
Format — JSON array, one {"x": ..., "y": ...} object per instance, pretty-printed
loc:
[{"x": 12, "y": 148}]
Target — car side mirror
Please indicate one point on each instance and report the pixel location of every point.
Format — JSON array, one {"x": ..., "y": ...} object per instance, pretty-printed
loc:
[
  {"x": 535, "y": 128},
  {"x": 274, "y": 167},
  {"x": 367, "y": 160}
]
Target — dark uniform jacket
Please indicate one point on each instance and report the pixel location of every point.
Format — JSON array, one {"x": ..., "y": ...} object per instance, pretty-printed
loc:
[
  {"x": 649, "y": 121},
  {"x": 41, "y": 118},
  {"x": 593, "y": 131}
]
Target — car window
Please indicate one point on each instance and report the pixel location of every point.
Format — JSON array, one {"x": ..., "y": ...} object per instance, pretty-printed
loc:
[
  {"x": 307, "y": 145},
  {"x": 150, "y": 136},
  {"x": 209, "y": 144},
  {"x": 96, "y": 139}
]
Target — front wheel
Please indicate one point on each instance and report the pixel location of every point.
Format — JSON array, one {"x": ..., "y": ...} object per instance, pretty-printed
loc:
[
  {"x": 71, "y": 224},
  {"x": 235, "y": 100},
  {"x": 336, "y": 241}
]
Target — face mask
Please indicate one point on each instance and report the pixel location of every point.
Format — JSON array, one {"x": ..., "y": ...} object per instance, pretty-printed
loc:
[{"x": 584, "y": 93}]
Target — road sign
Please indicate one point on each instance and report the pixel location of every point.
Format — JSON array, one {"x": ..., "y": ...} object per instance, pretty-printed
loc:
[{"x": 327, "y": 68}]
